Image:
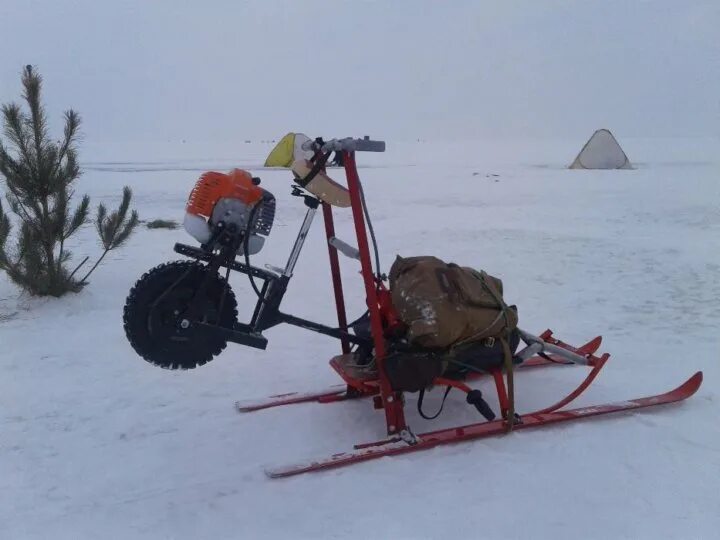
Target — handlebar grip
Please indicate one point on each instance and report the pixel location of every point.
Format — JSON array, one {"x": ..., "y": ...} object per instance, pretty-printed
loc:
[
  {"x": 348, "y": 145},
  {"x": 367, "y": 145}
]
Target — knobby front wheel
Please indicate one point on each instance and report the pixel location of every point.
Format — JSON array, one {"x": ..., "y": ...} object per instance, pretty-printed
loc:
[{"x": 154, "y": 314}]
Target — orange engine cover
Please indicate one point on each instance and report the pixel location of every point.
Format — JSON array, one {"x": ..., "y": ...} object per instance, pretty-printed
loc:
[{"x": 213, "y": 186}]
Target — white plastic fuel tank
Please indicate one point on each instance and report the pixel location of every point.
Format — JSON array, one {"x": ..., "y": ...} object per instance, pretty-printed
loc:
[{"x": 200, "y": 230}]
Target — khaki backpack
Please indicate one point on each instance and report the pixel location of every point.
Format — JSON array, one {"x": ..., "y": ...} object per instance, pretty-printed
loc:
[
  {"x": 445, "y": 305},
  {"x": 447, "y": 308}
]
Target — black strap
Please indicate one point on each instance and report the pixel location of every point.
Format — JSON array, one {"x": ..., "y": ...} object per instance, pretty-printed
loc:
[
  {"x": 420, "y": 401},
  {"x": 318, "y": 166}
]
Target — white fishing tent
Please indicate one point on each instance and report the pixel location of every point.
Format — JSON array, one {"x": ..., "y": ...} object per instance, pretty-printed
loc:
[{"x": 602, "y": 151}]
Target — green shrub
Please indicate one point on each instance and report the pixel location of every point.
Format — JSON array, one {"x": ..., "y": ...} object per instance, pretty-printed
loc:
[{"x": 162, "y": 224}]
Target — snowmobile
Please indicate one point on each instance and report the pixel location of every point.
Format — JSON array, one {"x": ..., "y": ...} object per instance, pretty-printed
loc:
[{"x": 182, "y": 314}]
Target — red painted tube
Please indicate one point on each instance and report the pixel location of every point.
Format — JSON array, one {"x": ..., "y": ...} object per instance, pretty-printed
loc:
[
  {"x": 335, "y": 272},
  {"x": 392, "y": 402}
]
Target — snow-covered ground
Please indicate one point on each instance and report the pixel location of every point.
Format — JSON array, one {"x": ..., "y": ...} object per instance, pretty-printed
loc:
[{"x": 96, "y": 443}]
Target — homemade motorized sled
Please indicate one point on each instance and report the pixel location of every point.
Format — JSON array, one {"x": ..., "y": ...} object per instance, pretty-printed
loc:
[{"x": 181, "y": 314}]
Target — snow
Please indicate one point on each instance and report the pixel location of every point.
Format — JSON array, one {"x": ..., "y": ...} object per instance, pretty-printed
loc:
[{"x": 96, "y": 443}]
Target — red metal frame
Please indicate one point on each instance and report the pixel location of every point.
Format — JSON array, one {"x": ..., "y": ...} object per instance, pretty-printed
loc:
[
  {"x": 598, "y": 364},
  {"x": 501, "y": 393},
  {"x": 391, "y": 400},
  {"x": 335, "y": 272},
  {"x": 339, "y": 392}
]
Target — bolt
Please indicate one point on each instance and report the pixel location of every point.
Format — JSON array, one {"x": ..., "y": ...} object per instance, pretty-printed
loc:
[{"x": 390, "y": 399}]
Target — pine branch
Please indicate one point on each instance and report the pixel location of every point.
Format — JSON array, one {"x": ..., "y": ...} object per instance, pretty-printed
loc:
[
  {"x": 78, "y": 268},
  {"x": 14, "y": 128},
  {"x": 58, "y": 221},
  {"x": 19, "y": 180},
  {"x": 32, "y": 82},
  {"x": 59, "y": 212},
  {"x": 79, "y": 217},
  {"x": 72, "y": 127},
  {"x": 5, "y": 228},
  {"x": 99, "y": 221},
  {"x": 10, "y": 168},
  {"x": 125, "y": 203},
  {"x": 17, "y": 206},
  {"x": 114, "y": 229},
  {"x": 4, "y": 225},
  {"x": 83, "y": 281},
  {"x": 127, "y": 230},
  {"x": 66, "y": 151},
  {"x": 29, "y": 267}
]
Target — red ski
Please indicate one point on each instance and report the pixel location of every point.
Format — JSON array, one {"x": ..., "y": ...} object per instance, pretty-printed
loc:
[
  {"x": 340, "y": 392},
  {"x": 392, "y": 447},
  {"x": 333, "y": 393}
]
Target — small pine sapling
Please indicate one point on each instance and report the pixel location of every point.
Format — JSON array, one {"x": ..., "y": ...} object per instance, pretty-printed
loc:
[{"x": 39, "y": 175}]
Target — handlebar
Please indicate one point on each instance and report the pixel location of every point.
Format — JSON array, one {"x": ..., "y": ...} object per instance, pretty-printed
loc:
[{"x": 348, "y": 145}]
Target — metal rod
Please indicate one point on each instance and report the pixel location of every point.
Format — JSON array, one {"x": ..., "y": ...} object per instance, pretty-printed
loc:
[
  {"x": 537, "y": 345},
  {"x": 321, "y": 329},
  {"x": 336, "y": 277},
  {"x": 299, "y": 241}
]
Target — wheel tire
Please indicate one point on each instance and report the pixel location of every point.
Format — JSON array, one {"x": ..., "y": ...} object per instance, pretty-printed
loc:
[{"x": 154, "y": 332}]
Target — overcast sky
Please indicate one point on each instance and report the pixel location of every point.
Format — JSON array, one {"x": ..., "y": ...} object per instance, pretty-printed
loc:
[{"x": 230, "y": 69}]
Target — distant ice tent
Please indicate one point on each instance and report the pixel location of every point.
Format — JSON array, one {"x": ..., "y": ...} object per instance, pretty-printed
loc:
[
  {"x": 288, "y": 150},
  {"x": 602, "y": 151}
]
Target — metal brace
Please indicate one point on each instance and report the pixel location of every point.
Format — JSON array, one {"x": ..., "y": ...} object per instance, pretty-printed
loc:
[{"x": 408, "y": 436}]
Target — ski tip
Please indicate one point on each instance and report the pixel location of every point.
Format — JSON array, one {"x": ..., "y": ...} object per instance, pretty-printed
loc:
[
  {"x": 284, "y": 472},
  {"x": 243, "y": 407},
  {"x": 688, "y": 388},
  {"x": 591, "y": 346},
  {"x": 272, "y": 473},
  {"x": 693, "y": 383}
]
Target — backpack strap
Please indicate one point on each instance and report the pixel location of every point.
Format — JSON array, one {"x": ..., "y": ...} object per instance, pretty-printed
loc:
[
  {"x": 507, "y": 354},
  {"x": 420, "y": 401}
]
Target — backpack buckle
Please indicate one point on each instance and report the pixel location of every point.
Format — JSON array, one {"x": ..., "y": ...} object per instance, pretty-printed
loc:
[{"x": 489, "y": 341}]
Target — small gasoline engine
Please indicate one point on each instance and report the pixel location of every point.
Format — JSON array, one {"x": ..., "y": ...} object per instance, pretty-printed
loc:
[{"x": 227, "y": 208}]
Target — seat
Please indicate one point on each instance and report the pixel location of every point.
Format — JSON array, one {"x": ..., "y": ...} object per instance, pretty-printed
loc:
[
  {"x": 362, "y": 378},
  {"x": 322, "y": 186}
]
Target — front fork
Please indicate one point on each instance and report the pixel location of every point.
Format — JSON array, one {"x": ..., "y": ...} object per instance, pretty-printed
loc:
[{"x": 272, "y": 292}]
